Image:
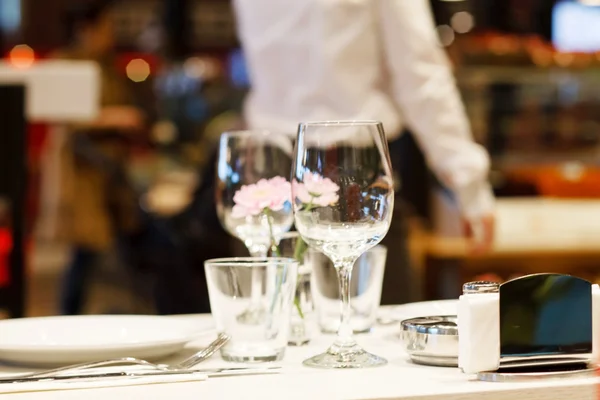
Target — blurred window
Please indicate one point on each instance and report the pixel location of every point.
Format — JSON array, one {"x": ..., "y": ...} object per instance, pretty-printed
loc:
[
  {"x": 576, "y": 26},
  {"x": 10, "y": 15}
]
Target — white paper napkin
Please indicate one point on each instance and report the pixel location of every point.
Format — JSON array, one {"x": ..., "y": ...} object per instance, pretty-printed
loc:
[
  {"x": 596, "y": 324},
  {"x": 479, "y": 332}
]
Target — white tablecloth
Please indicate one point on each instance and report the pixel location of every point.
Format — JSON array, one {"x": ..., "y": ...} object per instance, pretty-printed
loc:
[{"x": 400, "y": 379}]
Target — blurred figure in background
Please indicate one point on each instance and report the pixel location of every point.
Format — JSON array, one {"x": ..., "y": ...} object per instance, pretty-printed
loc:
[
  {"x": 182, "y": 227},
  {"x": 100, "y": 206},
  {"x": 368, "y": 60}
]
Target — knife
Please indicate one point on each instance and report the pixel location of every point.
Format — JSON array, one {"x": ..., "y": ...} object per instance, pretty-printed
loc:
[{"x": 211, "y": 373}]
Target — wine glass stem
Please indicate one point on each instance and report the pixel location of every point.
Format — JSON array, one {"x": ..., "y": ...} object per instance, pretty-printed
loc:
[
  {"x": 256, "y": 290},
  {"x": 344, "y": 335}
]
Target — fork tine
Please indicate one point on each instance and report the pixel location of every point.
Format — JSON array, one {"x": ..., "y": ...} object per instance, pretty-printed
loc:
[
  {"x": 187, "y": 363},
  {"x": 211, "y": 349},
  {"x": 221, "y": 340}
]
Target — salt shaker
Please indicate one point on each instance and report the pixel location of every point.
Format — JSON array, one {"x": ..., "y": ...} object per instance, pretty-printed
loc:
[{"x": 479, "y": 327}]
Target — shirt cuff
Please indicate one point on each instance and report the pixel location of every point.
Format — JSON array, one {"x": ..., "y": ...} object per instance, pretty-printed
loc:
[{"x": 475, "y": 200}]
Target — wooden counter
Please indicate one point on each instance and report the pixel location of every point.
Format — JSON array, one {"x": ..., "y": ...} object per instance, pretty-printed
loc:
[{"x": 532, "y": 235}]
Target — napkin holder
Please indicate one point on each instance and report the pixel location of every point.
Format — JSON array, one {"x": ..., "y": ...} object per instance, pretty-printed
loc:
[{"x": 533, "y": 323}]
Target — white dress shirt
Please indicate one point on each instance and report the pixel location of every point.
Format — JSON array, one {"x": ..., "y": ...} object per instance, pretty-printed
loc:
[{"x": 320, "y": 60}]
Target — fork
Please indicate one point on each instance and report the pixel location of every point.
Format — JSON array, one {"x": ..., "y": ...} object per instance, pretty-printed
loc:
[{"x": 188, "y": 363}]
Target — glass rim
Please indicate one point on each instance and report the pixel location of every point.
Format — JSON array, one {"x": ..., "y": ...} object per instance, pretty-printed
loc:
[
  {"x": 248, "y": 262},
  {"x": 246, "y": 132},
  {"x": 341, "y": 123},
  {"x": 254, "y": 132}
]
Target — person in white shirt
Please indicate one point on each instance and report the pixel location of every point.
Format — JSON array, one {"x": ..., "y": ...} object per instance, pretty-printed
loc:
[{"x": 316, "y": 60}]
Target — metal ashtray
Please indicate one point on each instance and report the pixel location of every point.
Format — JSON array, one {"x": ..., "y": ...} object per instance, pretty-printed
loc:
[{"x": 431, "y": 340}]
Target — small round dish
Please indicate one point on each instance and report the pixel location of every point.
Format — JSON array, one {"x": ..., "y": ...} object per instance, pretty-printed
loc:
[{"x": 431, "y": 340}]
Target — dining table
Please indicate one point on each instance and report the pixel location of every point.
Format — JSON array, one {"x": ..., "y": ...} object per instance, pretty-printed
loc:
[{"x": 399, "y": 379}]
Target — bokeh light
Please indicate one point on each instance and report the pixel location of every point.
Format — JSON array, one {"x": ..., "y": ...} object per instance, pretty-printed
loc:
[
  {"x": 138, "y": 70},
  {"x": 164, "y": 132},
  {"x": 563, "y": 59},
  {"x": 542, "y": 57},
  {"x": 195, "y": 67},
  {"x": 462, "y": 22},
  {"x": 446, "y": 35},
  {"x": 22, "y": 56},
  {"x": 204, "y": 69},
  {"x": 503, "y": 45}
]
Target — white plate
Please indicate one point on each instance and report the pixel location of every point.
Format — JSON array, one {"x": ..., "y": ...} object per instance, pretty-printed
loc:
[
  {"x": 74, "y": 339},
  {"x": 425, "y": 309}
]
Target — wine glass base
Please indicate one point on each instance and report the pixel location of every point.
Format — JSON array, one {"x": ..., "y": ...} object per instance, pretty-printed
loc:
[{"x": 337, "y": 357}]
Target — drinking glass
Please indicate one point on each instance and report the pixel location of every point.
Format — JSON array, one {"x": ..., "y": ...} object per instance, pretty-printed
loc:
[
  {"x": 231, "y": 291},
  {"x": 365, "y": 289},
  {"x": 343, "y": 196},
  {"x": 253, "y": 194},
  {"x": 246, "y": 165}
]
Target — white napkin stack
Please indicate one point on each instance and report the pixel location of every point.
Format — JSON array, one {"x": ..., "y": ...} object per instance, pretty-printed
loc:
[
  {"x": 596, "y": 324},
  {"x": 479, "y": 332}
]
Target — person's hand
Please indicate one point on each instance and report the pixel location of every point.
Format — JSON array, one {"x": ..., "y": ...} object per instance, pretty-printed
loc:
[
  {"x": 121, "y": 117},
  {"x": 480, "y": 233}
]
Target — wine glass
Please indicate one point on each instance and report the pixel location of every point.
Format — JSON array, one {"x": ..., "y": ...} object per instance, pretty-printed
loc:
[
  {"x": 343, "y": 196},
  {"x": 253, "y": 194}
]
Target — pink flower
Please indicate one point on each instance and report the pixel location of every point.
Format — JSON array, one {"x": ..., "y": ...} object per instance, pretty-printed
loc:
[
  {"x": 316, "y": 190},
  {"x": 253, "y": 199},
  {"x": 282, "y": 183}
]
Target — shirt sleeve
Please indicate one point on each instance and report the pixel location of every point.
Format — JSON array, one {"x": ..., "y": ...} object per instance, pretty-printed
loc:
[{"x": 424, "y": 88}]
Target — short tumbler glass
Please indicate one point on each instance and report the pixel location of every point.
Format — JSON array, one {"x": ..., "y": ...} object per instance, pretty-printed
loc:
[
  {"x": 230, "y": 288},
  {"x": 365, "y": 290}
]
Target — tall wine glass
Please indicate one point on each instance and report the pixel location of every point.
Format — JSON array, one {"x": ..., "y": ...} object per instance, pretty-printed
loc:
[
  {"x": 343, "y": 197},
  {"x": 252, "y": 168}
]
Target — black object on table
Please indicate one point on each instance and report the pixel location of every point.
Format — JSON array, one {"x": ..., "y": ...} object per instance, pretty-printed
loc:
[{"x": 13, "y": 181}]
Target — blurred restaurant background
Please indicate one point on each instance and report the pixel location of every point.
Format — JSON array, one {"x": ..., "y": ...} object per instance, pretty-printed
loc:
[{"x": 529, "y": 73}]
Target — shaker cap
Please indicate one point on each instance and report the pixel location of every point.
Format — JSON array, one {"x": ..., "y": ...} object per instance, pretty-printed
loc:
[{"x": 480, "y": 287}]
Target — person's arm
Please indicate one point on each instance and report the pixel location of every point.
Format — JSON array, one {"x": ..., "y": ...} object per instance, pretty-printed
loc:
[{"x": 425, "y": 90}]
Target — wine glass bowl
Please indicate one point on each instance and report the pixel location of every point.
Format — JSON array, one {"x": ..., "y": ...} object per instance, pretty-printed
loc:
[
  {"x": 252, "y": 194},
  {"x": 343, "y": 197}
]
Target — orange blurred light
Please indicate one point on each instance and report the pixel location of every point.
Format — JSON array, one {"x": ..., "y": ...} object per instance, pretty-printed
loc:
[
  {"x": 502, "y": 45},
  {"x": 22, "y": 56},
  {"x": 542, "y": 57},
  {"x": 138, "y": 70},
  {"x": 563, "y": 59},
  {"x": 582, "y": 60}
]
